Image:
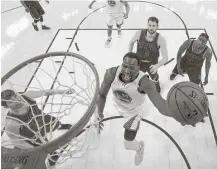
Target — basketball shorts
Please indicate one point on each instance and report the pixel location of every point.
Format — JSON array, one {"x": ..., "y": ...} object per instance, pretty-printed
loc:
[
  {"x": 194, "y": 73},
  {"x": 117, "y": 18},
  {"x": 36, "y": 11},
  {"x": 145, "y": 67},
  {"x": 133, "y": 123}
]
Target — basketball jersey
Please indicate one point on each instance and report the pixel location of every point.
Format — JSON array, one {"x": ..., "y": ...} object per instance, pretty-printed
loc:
[
  {"x": 126, "y": 95},
  {"x": 146, "y": 50},
  {"x": 114, "y": 7},
  {"x": 32, "y": 3},
  {"x": 194, "y": 59}
]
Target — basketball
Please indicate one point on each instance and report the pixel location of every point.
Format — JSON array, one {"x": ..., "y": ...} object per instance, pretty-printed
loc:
[{"x": 188, "y": 103}]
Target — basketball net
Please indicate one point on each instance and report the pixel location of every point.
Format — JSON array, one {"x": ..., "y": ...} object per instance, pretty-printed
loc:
[{"x": 78, "y": 82}]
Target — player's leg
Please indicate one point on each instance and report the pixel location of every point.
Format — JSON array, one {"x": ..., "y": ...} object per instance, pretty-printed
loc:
[
  {"x": 119, "y": 20},
  {"x": 43, "y": 26},
  {"x": 194, "y": 75},
  {"x": 175, "y": 71},
  {"x": 110, "y": 20},
  {"x": 35, "y": 15},
  {"x": 130, "y": 143},
  {"x": 41, "y": 12}
]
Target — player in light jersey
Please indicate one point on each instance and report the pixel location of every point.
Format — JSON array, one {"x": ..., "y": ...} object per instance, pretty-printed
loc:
[
  {"x": 115, "y": 12},
  {"x": 129, "y": 85},
  {"x": 191, "y": 63}
]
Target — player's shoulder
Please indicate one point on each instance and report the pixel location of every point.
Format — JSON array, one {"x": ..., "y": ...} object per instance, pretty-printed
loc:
[
  {"x": 110, "y": 74},
  {"x": 144, "y": 80}
]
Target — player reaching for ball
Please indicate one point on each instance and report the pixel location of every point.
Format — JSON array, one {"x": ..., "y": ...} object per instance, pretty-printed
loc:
[
  {"x": 114, "y": 9},
  {"x": 25, "y": 120},
  {"x": 129, "y": 86},
  {"x": 191, "y": 63}
]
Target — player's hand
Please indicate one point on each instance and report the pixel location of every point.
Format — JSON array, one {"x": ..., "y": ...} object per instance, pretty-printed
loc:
[
  {"x": 27, "y": 10},
  {"x": 125, "y": 16},
  {"x": 70, "y": 91},
  {"x": 47, "y": 1},
  {"x": 205, "y": 81},
  {"x": 180, "y": 71},
  {"x": 153, "y": 69}
]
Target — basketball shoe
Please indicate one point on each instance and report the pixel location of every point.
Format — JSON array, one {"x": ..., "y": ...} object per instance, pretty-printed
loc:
[
  {"x": 139, "y": 154},
  {"x": 108, "y": 42}
]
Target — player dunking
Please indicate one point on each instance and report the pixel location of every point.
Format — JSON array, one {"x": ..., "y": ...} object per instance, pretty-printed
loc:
[
  {"x": 149, "y": 45},
  {"x": 129, "y": 85},
  {"x": 192, "y": 61},
  {"x": 114, "y": 9},
  {"x": 24, "y": 119},
  {"x": 36, "y": 11}
]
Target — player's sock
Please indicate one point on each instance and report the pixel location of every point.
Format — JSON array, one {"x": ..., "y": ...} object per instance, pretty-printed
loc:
[
  {"x": 35, "y": 26},
  {"x": 108, "y": 42}
]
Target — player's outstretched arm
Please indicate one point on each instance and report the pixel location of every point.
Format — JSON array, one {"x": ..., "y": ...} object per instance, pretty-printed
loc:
[
  {"x": 164, "y": 51},
  {"x": 208, "y": 56},
  {"x": 149, "y": 88},
  {"x": 104, "y": 89}
]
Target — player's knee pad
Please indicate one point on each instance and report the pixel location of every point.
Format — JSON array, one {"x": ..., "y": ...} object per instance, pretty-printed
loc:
[
  {"x": 41, "y": 19},
  {"x": 129, "y": 135}
]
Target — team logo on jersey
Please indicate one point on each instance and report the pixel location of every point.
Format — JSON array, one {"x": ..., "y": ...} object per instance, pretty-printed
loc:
[
  {"x": 111, "y": 2},
  {"x": 122, "y": 96}
]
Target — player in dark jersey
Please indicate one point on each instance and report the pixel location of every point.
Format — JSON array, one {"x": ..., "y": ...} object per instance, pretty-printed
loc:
[
  {"x": 149, "y": 45},
  {"x": 191, "y": 63},
  {"x": 26, "y": 122},
  {"x": 36, "y": 11}
]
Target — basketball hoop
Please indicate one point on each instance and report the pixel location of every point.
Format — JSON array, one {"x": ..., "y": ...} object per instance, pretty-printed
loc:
[{"x": 63, "y": 71}]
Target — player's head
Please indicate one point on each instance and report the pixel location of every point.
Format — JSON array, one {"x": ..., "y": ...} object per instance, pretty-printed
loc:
[
  {"x": 9, "y": 99},
  {"x": 152, "y": 24},
  {"x": 202, "y": 40},
  {"x": 130, "y": 67}
]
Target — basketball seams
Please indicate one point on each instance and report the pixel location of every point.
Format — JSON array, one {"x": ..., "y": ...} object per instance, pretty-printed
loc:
[
  {"x": 196, "y": 89},
  {"x": 180, "y": 112},
  {"x": 191, "y": 101}
]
